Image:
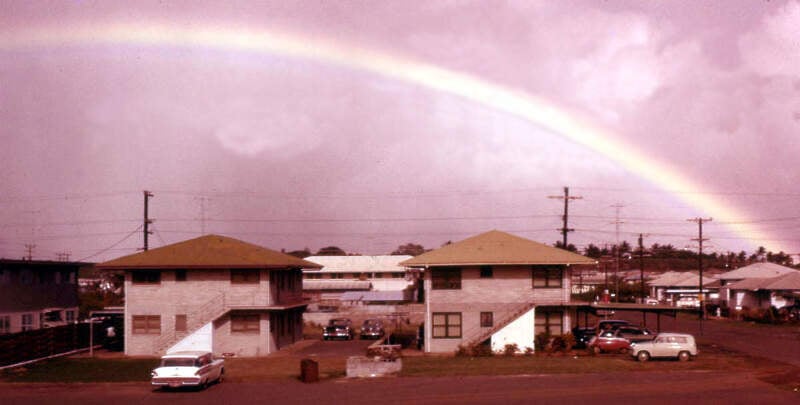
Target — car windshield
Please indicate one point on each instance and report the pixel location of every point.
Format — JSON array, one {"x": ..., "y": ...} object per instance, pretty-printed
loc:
[
  {"x": 337, "y": 322},
  {"x": 178, "y": 362},
  {"x": 372, "y": 324}
]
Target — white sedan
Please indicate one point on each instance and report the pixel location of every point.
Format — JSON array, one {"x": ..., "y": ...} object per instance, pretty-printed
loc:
[
  {"x": 680, "y": 346},
  {"x": 193, "y": 369}
]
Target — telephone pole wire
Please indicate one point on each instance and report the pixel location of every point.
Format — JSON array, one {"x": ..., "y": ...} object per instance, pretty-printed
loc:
[
  {"x": 700, "y": 239},
  {"x": 147, "y": 220},
  {"x": 564, "y": 230}
]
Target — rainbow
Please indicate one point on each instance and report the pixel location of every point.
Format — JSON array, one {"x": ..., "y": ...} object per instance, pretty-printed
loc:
[{"x": 490, "y": 95}]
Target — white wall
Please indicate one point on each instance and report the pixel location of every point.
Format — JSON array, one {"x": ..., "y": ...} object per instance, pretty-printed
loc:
[
  {"x": 201, "y": 339},
  {"x": 519, "y": 332}
]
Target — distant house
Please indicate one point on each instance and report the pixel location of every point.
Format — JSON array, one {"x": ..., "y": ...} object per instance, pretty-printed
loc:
[
  {"x": 37, "y": 294},
  {"x": 682, "y": 288},
  {"x": 779, "y": 292},
  {"x": 353, "y": 280},
  {"x": 763, "y": 270},
  {"x": 211, "y": 293},
  {"x": 495, "y": 288}
]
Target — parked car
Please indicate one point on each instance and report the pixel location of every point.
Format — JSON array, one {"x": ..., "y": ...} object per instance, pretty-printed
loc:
[
  {"x": 188, "y": 369},
  {"x": 609, "y": 341},
  {"x": 676, "y": 345},
  {"x": 583, "y": 336},
  {"x": 339, "y": 328},
  {"x": 372, "y": 329},
  {"x": 635, "y": 333},
  {"x": 610, "y": 324}
]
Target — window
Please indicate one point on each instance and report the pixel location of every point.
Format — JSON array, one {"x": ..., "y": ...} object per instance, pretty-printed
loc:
[
  {"x": 378, "y": 275},
  {"x": 180, "y": 323},
  {"x": 5, "y": 324},
  {"x": 146, "y": 277},
  {"x": 245, "y": 276},
  {"x": 446, "y": 325},
  {"x": 146, "y": 324},
  {"x": 398, "y": 275},
  {"x": 548, "y": 321},
  {"x": 547, "y": 277},
  {"x": 446, "y": 279},
  {"x": 180, "y": 275},
  {"x": 245, "y": 323},
  {"x": 337, "y": 275},
  {"x": 487, "y": 319},
  {"x": 27, "y": 322},
  {"x": 69, "y": 316},
  {"x": 487, "y": 272}
]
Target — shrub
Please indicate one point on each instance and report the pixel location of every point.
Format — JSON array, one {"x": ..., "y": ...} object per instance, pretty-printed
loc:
[
  {"x": 479, "y": 350},
  {"x": 510, "y": 349},
  {"x": 541, "y": 341},
  {"x": 568, "y": 340}
]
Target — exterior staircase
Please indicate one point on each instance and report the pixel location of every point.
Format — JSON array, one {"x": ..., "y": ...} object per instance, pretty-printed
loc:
[
  {"x": 504, "y": 317},
  {"x": 208, "y": 312}
]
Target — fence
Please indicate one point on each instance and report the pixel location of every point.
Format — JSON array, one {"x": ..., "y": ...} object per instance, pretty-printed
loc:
[{"x": 40, "y": 343}]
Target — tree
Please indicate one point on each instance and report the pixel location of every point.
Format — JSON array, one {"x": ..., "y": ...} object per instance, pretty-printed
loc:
[
  {"x": 411, "y": 249},
  {"x": 302, "y": 254},
  {"x": 570, "y": 247},
  {"x": 593, "y": 251},
  {"x": 331, "y": 251}
]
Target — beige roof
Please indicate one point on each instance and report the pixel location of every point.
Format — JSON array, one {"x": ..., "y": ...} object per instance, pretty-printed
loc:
[
  {"x": 680, "y": 279},
  {"x": 789, "y": 281},
  {"x": 210, "y": 251},
  {"x": 757, "y": 270},
  {"x": 496, "y": 248}
]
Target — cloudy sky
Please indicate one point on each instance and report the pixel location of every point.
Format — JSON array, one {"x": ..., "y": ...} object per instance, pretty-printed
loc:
[{"x": 370, "y": 124}]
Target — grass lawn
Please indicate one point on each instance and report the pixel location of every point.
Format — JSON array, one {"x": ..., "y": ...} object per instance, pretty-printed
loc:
[
  {"x": 79, "y": 369},
  {"x": 75, "y": 369}
]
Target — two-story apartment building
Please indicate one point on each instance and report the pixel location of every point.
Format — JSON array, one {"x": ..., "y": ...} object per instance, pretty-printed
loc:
[
  {"x": 35, "y": 294},
  {"x": 211, "y": 293},
  {"x": 495, "y": 288}
]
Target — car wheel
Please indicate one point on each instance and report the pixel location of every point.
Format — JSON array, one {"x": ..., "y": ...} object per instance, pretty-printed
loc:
[
  {"x": 221, "y": 377},
  {"x": 643, "y": 356},
  {"x": 596, "y": 350},
  {"x": 684, "y": 356}
]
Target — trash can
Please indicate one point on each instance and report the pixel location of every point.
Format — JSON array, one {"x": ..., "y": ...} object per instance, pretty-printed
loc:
[{"x": 309, "y": 371}]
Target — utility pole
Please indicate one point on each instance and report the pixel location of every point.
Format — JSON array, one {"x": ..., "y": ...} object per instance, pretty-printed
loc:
[
  {"x": 564, "y": 230},
  {"x": 62, "y": 256},
  {"x": 641, "y": 266},
  {"x": 147, "y": 220},
  {"x": 700, "y": 241},
  {"x": 29, "y": 247},
  {"x": 203, "y": 201},
  {"x": 618, "y": 254}
]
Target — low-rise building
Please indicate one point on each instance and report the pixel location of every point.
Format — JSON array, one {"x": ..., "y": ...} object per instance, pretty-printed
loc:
[
  {"x": 497, "y": 289},
  {"x": 211, "y": 293},
  {"x": 36, "y": 294}
]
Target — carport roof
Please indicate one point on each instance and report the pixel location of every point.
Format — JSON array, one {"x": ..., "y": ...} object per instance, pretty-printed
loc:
[
  {"x": 496, "y": 248},
  {"x": 210, "y": 251}
]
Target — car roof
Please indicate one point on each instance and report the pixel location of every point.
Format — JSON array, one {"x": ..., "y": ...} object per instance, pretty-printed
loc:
[
  {"x": 674, "y": 334},
  {"x": 185, "y": 354}
]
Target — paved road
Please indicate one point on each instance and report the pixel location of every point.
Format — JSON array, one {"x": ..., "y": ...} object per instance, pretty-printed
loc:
[
  {"x": 778, "y": 343},
  {"x": 334, "y": 348},
  {"x": 651, "y": 388}
]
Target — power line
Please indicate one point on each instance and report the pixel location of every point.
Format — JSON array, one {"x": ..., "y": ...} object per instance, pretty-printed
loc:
[{"x": 113, "y": 245}]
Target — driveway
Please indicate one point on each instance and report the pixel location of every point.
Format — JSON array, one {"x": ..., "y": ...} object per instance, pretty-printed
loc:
[{"x": 775, "y": 342}]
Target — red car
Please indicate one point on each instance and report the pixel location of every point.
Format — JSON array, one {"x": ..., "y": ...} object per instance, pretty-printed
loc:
[{"x": 610, "y": 341}]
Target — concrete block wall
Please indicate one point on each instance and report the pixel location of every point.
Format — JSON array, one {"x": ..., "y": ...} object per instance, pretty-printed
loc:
[
  {"x": 509, "y": 288},
  {"x": 170, "y": 297}
]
